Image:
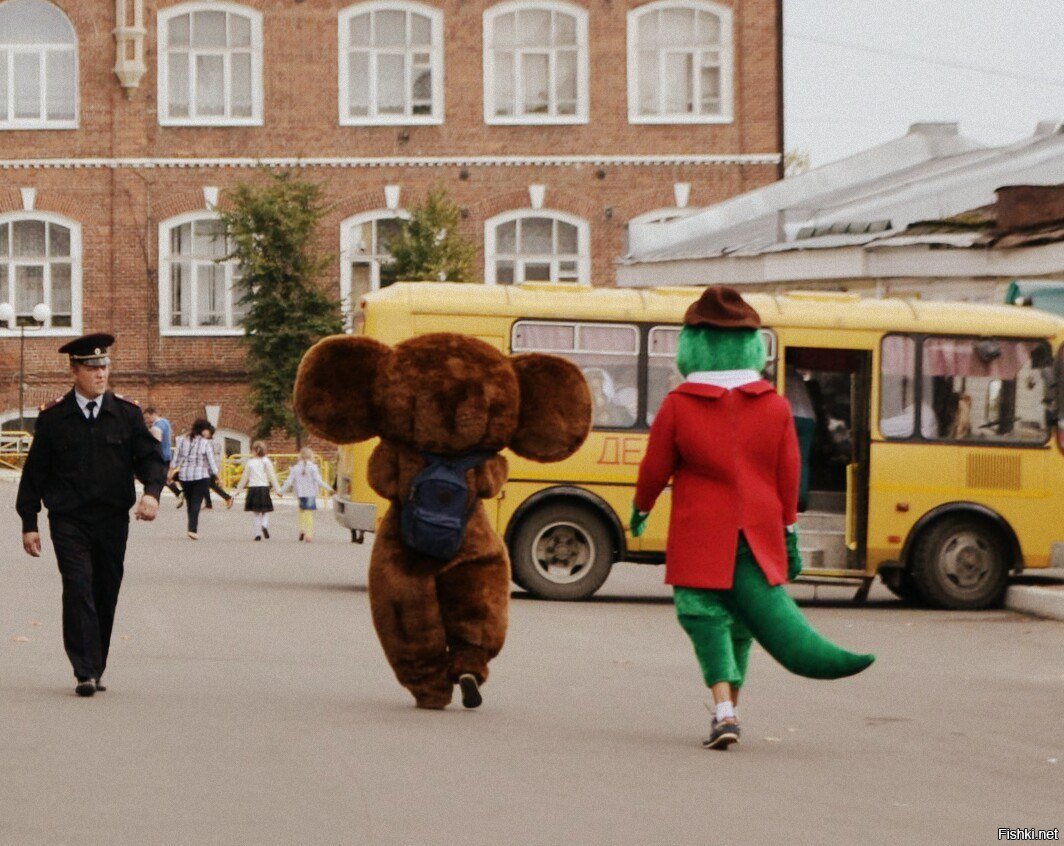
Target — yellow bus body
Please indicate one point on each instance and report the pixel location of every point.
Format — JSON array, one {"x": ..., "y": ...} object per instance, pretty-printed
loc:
[{"x": 1022, "y": 485}]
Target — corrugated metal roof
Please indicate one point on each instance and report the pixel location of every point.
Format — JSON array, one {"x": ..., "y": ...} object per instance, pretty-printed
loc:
[{"x": 901, "y": 181}]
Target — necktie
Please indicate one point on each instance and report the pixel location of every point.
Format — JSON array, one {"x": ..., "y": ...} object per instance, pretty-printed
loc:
[{"x": 90, "y": 406}]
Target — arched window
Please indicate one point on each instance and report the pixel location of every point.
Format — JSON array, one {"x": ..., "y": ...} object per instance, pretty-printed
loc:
[
  {"x": 536, "y": 246},
  {"x": 535, "y": 63},
  {"x": 210, "y": 65},
  {"x": 680, "y": 63},
  {"x": 198, "y": 293},
  {"x": 391, "y": 64},
  {"x": 365, "y": 239},
  {"x": 40, "y": 262},
  {"x": 38, "y": 67}
]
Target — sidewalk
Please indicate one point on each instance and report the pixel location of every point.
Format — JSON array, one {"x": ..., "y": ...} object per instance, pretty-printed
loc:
[{"x": 1045, "y": 599}]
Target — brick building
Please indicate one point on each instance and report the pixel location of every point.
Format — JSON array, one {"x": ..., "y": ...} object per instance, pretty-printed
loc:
[{"x": 551, "y": 123}]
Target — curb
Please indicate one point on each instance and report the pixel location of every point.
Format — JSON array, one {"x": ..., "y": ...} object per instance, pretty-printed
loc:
[{"x": 1037, "y": 601}]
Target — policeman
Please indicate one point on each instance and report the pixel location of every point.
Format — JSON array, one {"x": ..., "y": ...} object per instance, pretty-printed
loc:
[{"x": 87, "y": 447}]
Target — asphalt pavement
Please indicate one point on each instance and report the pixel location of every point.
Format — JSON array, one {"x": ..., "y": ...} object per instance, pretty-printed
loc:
[{"x": 249, "y": 702}]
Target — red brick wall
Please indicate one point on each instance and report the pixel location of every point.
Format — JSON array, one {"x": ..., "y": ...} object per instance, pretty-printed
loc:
[{"x": 119, "y": 210}]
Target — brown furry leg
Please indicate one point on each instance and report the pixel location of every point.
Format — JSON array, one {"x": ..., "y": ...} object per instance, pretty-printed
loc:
[
  {"x": 474, "y": 602},
  {"x": 406, "y": 616}
]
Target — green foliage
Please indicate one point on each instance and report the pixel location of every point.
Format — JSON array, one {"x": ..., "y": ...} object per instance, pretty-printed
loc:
[
  {"x": 705, "y": 348},
  {"x": 430, "y": 246},
  {"x": 272, "y": 231}
]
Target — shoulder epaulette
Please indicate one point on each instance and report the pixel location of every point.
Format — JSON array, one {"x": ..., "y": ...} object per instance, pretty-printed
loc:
[
  {"x": 127, "y": 400},
  {"x": 52, "y": 404}
]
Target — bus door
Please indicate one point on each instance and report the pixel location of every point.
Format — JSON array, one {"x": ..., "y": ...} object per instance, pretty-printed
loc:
[{"x": 830, "y": 391}]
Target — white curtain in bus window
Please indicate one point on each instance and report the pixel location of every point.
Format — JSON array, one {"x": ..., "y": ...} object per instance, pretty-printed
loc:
[
  {"x": 986, "y": 390},
  {"x": 608, "y": 355},
  {"x": 662, "y": 375},
  {"x": 897, "y": 390}
]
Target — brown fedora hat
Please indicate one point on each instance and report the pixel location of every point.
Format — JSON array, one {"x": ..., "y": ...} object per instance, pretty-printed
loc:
[{"x": 722, "y": 308}]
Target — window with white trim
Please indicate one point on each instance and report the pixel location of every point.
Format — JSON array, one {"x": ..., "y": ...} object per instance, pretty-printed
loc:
[
  {"x": 200, "y": 291},
  {"x": 210, "y": 65},
  {"x": 38, "y": 67},
  {"x": 365, "y": 240},
  {"x": 537, "y": 246},
  {"x": 680, "y": 63},
  {"x": 391, "y": 64},
  {"x": 40, "y": 262},
  {"x": 535, "y": 63}
]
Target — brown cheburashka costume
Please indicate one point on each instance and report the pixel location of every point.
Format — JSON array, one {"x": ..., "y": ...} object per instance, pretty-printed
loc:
[{"x": 441, "y": 620}]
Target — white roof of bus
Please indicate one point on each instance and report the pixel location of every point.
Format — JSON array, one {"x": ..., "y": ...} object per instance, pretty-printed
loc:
[{"x": 667, "y": 305}]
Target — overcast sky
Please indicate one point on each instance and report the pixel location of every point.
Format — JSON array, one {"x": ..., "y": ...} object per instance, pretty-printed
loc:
[{"x": 858, "y": 72}]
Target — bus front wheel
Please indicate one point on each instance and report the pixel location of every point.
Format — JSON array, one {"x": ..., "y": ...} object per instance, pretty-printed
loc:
[
  {"x": 561, "y": 551},
  {"x": 961, "y": 563}
]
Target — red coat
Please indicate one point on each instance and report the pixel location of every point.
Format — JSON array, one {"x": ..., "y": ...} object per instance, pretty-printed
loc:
[{"x": 734, "y": 461}]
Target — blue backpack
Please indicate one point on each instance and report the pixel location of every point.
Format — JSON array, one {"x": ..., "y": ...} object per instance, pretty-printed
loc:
[{"x": 433, "y": 520}]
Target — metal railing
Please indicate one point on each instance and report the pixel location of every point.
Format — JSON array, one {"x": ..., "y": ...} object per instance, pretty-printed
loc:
[
  {"x": 233, "y": 467},
  {"x": 13, "y": 449}
]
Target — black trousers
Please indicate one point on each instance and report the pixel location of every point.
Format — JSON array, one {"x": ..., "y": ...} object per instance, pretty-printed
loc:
[
  {"x": 91, "y": 551},
  {"x": 195, "y": 492}
]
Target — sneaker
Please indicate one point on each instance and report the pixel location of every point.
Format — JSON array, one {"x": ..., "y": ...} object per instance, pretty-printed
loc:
[
  {"x": 258, "y": 537},
  {"x": 194, "y": 535},
  {"x": 308, "y": 539},
  {"x": 265, "y": 533},
  {"x": 100, "y": 688},
  {"x": 723, "y": 735},
  {"x": 229, "y": 502},
  {"x": 180, "y": 499},
  {"x": 85, "y": 687},
  {"x": 471, "y": 697},
  {"x": 301, "y": 536}
]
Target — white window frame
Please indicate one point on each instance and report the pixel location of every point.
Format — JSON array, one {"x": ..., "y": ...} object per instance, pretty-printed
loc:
[
  {"x": 74, "y": 329},
  {"x": 435, "y": 17},
  {"x": 41, "y": 49},
  {"x": 348, "y": 254},
  {"x": 163, "y": 92},
  {"x": 582, "y": 72},
  {"x": 727, "y": 64},
  {"x": 583, "y": 243},
  {"x": 165, "y": 312}
]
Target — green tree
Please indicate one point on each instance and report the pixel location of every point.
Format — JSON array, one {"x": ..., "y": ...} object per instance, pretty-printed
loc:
[
  {"x": 272, "y": 232},
  {"x": 430, "y": 246}
]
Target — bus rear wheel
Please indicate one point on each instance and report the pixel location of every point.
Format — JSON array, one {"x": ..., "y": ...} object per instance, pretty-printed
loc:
[
  {"x": 561, "y": 551},
  {"x": 961, "y": 563}
]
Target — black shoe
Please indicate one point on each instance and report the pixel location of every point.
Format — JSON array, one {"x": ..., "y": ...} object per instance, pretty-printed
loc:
[
  {"x": 85, "y": 687},
  {"x": 258, "y": 537},
  {"x": 471, "y": 697},
  {"x": 265, "y": 533},
  {"x": 723, "y": 735},
  {"x": 99, "y": 687},
  {"x": 301, "y": 535}
]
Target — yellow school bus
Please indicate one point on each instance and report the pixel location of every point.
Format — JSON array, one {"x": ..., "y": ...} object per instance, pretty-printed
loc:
[{"x": 930, "y": 432}]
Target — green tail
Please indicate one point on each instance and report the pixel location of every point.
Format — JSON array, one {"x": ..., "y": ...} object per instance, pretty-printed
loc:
[{"x": 781, "y": 628}]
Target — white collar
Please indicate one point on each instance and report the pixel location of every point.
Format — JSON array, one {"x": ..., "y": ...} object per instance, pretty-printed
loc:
[
  {"x": 84, "y": 401},
  {"x": 727, "y": 379}
]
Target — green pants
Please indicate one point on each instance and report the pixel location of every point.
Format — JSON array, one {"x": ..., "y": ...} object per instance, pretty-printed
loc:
[{"x": 722, "y": 623}]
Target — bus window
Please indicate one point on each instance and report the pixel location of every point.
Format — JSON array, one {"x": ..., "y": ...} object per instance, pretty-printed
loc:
[
  {"x": 987, "y": 390},
  {"x": 897, "y": 390},
  {"x": 608, "y": 355},
  {"x": 662, "y": 375}
]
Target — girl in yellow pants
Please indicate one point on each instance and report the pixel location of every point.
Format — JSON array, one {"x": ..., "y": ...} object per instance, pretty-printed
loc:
[{"x": 305, "y": 479}]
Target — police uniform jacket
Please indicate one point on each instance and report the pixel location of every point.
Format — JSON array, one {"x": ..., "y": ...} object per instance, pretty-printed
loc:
[{"x": 77, "y": 468}]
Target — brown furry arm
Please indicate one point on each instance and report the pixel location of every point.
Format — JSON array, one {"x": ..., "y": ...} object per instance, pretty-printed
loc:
[
  {"x": 383, "y": 470},
  {"x": 490, "y": 476}
]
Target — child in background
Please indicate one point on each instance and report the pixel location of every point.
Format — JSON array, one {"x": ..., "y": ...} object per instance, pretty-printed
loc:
[
  {"x": 305, "y": 477},
  {"x": 258, "y": 477}
]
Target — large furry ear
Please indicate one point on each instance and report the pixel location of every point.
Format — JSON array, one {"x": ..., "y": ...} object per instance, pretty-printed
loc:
[
  {"x": 555, "y": 414},
  {"x": 334, "y": 388}
]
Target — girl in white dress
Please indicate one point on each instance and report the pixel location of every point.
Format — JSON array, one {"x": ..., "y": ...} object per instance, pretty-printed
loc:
[{"x": 258, "y": 477}]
